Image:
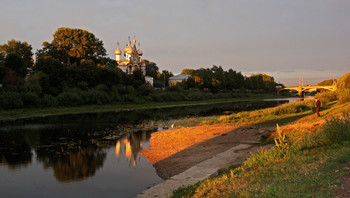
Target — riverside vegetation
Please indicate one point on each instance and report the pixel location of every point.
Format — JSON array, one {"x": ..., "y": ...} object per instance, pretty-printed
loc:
[
  {"x": 74, "y": 70},
  {"x": 309, "y": 157}
]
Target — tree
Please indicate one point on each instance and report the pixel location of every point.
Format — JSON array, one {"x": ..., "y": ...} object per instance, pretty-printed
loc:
[
  {"x": 344, "y": 82},
  {"x": 22, "y": 49},
  {"x": 327, "y": 82},
  {"x": 14, "y": 62},
  {"x": 71, "y": 45},
  {"x": 56, "y": 73},
  {"x": 151, "y": 69},
  {"x": 187, "y": 71},
  {"x": 2, "y": 66}
]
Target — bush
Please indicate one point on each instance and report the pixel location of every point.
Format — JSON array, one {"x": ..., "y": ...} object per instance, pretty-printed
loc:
[
  {"x": 69, "y": 99},
  {"x": 193, "y": 96},
  {"x": 30, "y": 99},
  {"x": 145, "y": 90},
  {"x": 326, "y": 97},
  {"x": 49, "y": 101},
  {"x": 83, "y": 85},
  {"x": 98, "y": 97},
  {"x": 343, "y": 95},
  {"x": 344, "y": 82},
  {"x": 10, "y": 100},
  {"x": 101, "y": 87}
]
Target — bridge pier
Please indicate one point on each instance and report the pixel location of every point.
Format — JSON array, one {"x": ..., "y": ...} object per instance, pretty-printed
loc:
[{"x": 301, "y": 94}]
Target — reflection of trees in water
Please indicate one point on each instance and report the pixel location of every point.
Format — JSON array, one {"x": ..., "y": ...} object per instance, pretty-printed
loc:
[
  {"x": 74, "y": 155},
  {"x": 14, "y": 150},
  {"x": 75, "y": 145},
  {"x": 79, "y": 166}
]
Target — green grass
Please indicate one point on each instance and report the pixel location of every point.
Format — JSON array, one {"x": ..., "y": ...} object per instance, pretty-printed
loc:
[
  {"x": 284, "y": 112},
  {"x": 40, "y": 112},
  {"x": 309, "y": 168},
  {"x": 308, "y": 173}
]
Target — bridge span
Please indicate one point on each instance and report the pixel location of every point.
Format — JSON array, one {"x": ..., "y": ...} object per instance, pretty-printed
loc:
[{"x": 300, "y": 89}]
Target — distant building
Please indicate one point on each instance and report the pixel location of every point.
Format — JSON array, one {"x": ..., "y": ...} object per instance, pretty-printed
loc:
[
  {"x": 149, "y": 80},
  {"x": 132, "y": 59},
  {"x": 177, "y": 79}
]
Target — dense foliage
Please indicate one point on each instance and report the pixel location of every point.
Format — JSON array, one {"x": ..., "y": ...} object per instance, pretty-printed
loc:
[
  {"x": 344, "y": 82},
  {"x": 73, "y": 70},
  {"x": 216, "y": 79},
  {"x": 343, "y": 88}
]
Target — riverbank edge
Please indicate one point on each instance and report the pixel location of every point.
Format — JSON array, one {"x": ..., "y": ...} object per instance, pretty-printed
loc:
[
  {"x": 340, "y": 174},
  {"x": 12, "y": 115}
]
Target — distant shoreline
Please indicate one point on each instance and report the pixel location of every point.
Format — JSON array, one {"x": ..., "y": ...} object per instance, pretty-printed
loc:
[{"x": 12, "y": 115}]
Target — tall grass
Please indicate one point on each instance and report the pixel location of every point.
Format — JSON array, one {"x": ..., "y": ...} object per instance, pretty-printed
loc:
[
  {"x": 310, "y": 168},
  {"x": 336, "y": 130}
]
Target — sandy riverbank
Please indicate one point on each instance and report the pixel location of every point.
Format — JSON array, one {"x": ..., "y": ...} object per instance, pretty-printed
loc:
[{"x": 174, "y": 151}]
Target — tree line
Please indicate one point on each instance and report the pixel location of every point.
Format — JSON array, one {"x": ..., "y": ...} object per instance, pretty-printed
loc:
[
  {"x": 73, "y": 69},
  {"x": 216, "y": 79}
]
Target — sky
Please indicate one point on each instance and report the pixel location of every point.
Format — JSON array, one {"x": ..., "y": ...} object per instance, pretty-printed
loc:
[{"x": 288, "y": 39}]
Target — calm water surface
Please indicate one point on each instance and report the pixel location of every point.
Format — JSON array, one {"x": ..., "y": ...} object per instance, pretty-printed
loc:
[{"x": 90, "y": 155}]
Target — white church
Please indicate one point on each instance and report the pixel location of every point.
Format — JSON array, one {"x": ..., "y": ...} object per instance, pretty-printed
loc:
[{"x": 132, "y": 60}]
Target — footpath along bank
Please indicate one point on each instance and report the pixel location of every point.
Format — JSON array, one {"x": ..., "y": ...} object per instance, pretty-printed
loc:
[{"x": 187, "y": 155}]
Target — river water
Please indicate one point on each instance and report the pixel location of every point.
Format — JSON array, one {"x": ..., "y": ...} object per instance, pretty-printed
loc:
[{"x": 91, "y": 155}]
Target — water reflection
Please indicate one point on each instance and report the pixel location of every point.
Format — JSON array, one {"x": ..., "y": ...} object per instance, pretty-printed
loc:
[
  {"x": 88, "y": 151},
  {"x": 14, "y": 151},
  {"x": 79, "y": 166},
  {"x": 74, "y": 153},
  {"x": 130, "y": 145}
]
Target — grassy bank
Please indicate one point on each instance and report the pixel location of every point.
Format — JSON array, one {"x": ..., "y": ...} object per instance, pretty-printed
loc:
[
  {"x": 311, "y": 155},
  {"x": 284, "y": 112},
  {"x": 40, "y": 112}
]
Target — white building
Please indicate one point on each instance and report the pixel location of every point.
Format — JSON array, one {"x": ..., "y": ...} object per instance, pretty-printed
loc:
[{"x": 132, "y": 59}]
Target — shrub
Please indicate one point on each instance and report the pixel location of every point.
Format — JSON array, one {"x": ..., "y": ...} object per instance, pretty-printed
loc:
[
  {"x": 192, "y": 96},
  {"x": 69, "y": 99},
  {"x": 30, "y": 99},
  {"x": 83, "y": 85},
  {"x": 343, "y": 95},
  {"x": 326, "y": 97},
  {"x": 145, "y": 90},
  {"x": 337, "y": 130},
  {"x": 344, "y": 81},
  {"x": 10, "y": 100},
  {"x": 98, "y": 97},
  {"x": 101, "y": 87},
  {"x": 48, "y": 101}
]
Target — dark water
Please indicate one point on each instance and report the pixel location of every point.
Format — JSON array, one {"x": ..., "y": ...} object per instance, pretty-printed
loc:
[{"x": 89, "y": 155}]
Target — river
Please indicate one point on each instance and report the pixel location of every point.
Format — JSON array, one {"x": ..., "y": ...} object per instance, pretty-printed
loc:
[{"x": 91, "y": 155}]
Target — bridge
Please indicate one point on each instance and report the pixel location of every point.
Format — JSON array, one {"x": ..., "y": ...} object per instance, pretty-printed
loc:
[{"x": 301, "y": 89}]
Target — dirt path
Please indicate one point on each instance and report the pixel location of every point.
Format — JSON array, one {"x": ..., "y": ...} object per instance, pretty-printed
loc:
[{"x": 174, "y": 151}]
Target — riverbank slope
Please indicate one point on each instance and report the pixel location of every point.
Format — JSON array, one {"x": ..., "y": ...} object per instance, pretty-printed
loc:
[{"x": 203, "y": 142}]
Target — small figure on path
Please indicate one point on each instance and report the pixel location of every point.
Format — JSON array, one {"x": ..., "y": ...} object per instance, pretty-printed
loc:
[{"x": 318, "y": 106}]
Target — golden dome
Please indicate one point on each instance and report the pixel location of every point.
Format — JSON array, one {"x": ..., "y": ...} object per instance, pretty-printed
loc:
[
  {"x": 117, "y": 52},
  {"x": 128, "y": 49}
]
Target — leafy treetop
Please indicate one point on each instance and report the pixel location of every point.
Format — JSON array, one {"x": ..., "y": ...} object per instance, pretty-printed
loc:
[
  {"x": 22, "y": 49},
  {"x": 71, "y": 45}
]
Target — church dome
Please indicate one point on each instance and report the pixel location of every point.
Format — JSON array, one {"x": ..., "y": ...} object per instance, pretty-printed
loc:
[
  {"x": 117, "y": 52},
  {"x": 128, "y": 49}
]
